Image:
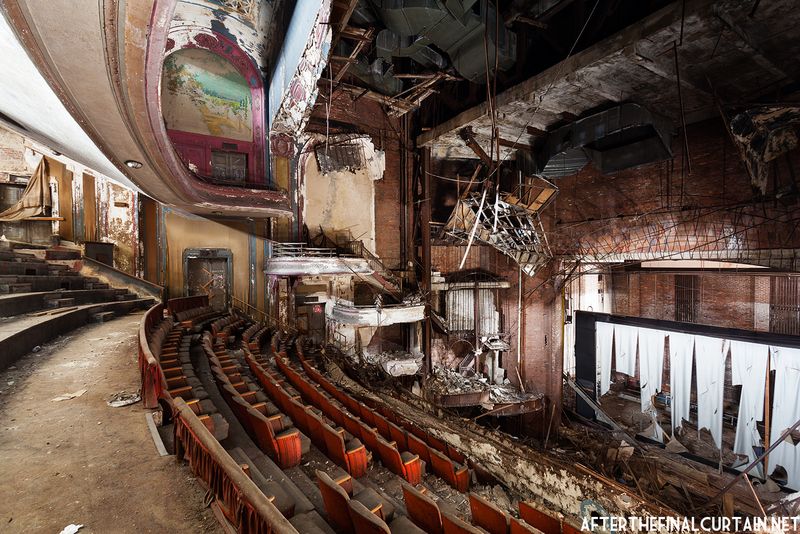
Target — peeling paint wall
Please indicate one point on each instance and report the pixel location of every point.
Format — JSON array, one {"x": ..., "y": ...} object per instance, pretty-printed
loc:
[
  {"x": 254, "y": 31},
  {"x": 343, "y": 201},
  {"x": 187, "y": 231},
  {"x": 13, "y": 158},
  {"x": 119, "y": 223}
]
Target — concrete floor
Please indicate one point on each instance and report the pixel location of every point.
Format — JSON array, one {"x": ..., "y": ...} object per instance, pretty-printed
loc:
[{"x": 81, "y": 461}]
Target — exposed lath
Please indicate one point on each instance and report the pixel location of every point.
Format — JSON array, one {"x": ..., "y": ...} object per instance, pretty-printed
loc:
[
  {"x": 248, "y": 8},
  {"x": 511, "y": 223},
  {"x": 345, "y": 156}
]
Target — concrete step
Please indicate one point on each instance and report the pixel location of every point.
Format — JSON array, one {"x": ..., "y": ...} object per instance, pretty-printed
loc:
[
  {"x": 102, "y": 317},
  {"x": 45, "y": 283},
  {"x": 21, "y": 334},
  {"x": 62, "y": 254},
  {"x": 19, "y": 288},
  {"x": 7, "y": 255},
  {"x": 26, "y": 268},
  {"x": 28, "y": 302},
  {"x": 96, "y": 285},
  {"x": 60, "y": 303}
]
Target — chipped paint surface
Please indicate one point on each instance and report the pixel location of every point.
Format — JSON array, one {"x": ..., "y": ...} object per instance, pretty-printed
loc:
[
  {"x": 293, "y": 87},
  {"x": 194, "y": 16},
  {"x": 342, "y": 203}
]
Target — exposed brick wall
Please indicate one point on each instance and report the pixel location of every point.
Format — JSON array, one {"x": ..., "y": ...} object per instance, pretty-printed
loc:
[
  {"x": 662, "y": 209},
  {"x": 647, "y": 208},
  {"x": 727, "y": 300}
]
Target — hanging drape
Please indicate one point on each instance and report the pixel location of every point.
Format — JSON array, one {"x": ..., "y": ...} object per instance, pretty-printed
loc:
[
  {"x": 651, "y": 365},
  {"x": 681, "y": 350},
  {"x": 603, "y": 339},
  {"x": 785, "y": 411},
  {"x": 748, "y": 369},
  {"x": 625, "y": 338},
  {"x": 710, "y": 354},
  {"x": 35, "y": 198}
]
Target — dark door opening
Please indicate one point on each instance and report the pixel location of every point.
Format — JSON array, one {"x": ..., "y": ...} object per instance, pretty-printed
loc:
[{"x": 208, "y": 272}]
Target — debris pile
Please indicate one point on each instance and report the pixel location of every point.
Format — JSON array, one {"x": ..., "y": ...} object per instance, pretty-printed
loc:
[
  {"x": 395, "y": 362},
  {"x": 449, "y": 381}
]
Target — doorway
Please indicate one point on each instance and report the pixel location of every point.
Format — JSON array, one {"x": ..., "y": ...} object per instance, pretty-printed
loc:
[{"x": 208, "y": 271}]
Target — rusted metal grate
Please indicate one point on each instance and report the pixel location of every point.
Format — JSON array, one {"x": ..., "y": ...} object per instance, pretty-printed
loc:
[
  {"x": 687, "y": 296},
  {"x": 784, "y": 305}
]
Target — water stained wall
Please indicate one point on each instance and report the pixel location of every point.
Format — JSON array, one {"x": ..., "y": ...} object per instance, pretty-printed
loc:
[{"x": 342, "y": 203}]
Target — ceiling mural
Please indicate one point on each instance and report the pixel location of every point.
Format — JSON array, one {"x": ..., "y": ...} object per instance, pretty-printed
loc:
[{"x": 203, "y": 93}]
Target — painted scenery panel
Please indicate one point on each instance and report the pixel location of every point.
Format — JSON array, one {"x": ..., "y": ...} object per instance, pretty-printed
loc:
[{"x": 203, "y": 93}]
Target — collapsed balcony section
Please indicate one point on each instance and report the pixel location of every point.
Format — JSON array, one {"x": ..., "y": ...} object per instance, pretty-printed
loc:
[{"x": 508, "y": 222}]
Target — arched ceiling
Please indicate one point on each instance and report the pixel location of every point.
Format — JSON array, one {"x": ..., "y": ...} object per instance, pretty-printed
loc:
[{"x": 103, "y": 62}]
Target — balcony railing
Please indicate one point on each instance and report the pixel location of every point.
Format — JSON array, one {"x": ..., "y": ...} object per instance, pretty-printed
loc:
[{"x": 295, "y": 250}]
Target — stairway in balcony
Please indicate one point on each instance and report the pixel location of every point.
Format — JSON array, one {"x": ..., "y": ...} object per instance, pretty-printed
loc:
[
  {"x": 40, "y": 300},
  {"x": 354, "y": 248}
]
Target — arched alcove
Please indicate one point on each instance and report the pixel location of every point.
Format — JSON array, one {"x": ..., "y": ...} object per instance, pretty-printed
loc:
[{"x": 212, "y": 106}]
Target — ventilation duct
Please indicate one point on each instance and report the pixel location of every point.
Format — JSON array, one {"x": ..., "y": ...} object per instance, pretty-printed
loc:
[
  {"x": 619, "y": 138},
  {"x": 421, "y": 29}
]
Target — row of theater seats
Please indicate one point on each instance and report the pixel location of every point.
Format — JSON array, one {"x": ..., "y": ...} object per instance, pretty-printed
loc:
[
  {"x": 441, "y": 456},
  {"x": 337, "y": 443},
  {"x": 194, "y": 319},
  {"x": 170, "y": 346},
  {"x": 357, "y": 513},
  {"x": 350, "y": 507},
  {"x": 486, "y": 517},
  {"x": 224, "y": 328},
  {"x": 394, "y": 454},
  {"x": 445, "y": 461},
  {"x": 273, "y": 432},
  {"x": 253, "y": 337}
]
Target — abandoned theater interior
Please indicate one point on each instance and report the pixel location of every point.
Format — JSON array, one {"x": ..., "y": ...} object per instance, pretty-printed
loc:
[{"x": 399, "y": 266}]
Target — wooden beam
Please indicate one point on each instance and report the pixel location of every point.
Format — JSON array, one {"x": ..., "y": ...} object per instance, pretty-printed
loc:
[
  {"x": 536, "y": 132},
  {"x": 469, "y": 139},
  {"x": 519, "y": 145}
]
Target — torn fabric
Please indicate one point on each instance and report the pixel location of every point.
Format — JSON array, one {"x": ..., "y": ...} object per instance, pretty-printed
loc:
[
  {"x": 651, "y": 365},
  {"x": 625, "y": 338},
  {"x": 710, "y": 353},
  {"x": 681, "y": 350},
  {"x": 785, "y": 411},
  {"x": 35, "y": 198},
  {"x": 748, "y": 369},
  {"x": 603, "y": 340}
]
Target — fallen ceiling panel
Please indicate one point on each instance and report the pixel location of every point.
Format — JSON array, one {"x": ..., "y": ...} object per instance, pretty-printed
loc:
[{"x": 509, "y": 222}]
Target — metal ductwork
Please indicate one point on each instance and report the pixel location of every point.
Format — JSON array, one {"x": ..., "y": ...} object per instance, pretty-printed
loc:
[
  {"x": 423, "y": 29},
  {"x": 619, "y": 138}
]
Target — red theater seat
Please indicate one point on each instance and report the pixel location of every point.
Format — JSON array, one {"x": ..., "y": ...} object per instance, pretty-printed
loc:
[
  {"x": 405, "y": 464},
  {"x": 422, "y": 510},
  {"x": 536, "y": 518},
  {"x": 455, "y": 475},
  {"x": 487, "y": 516}
]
